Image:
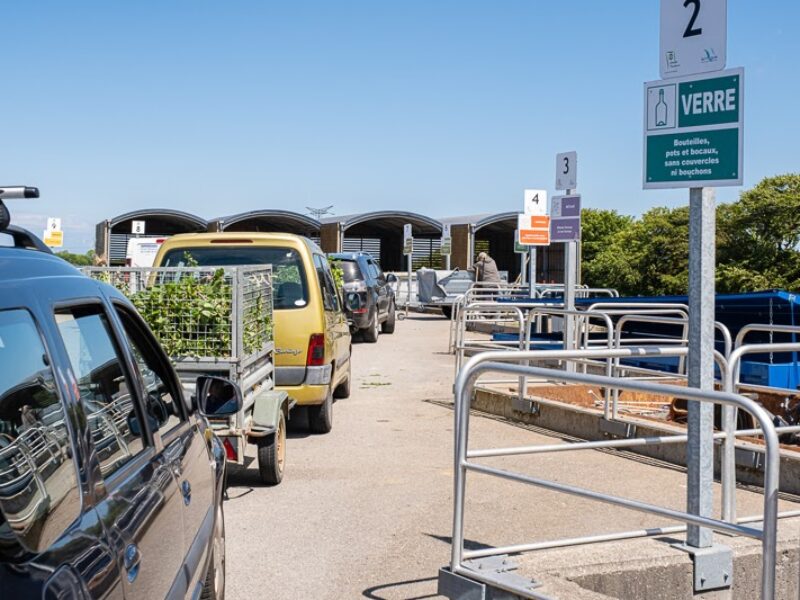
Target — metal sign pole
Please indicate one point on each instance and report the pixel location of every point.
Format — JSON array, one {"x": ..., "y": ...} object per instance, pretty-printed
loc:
[
  {"x": 408, "y": 298},
  {"x": 700, "y": 449},
  {"x": 570, "y": 270},
  {"x": 532, "y": 270}
]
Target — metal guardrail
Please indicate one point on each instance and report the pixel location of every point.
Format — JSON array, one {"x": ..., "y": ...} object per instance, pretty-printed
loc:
[{"x": 498, "y": 362}]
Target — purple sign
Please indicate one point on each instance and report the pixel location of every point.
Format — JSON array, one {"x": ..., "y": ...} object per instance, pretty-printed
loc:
[
  {"x": 565, "y": 230},
  {"x": 571, "y": 206}
]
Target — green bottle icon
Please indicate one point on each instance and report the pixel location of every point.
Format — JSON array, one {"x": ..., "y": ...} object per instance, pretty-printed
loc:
[{"x": 661, "y": 110}]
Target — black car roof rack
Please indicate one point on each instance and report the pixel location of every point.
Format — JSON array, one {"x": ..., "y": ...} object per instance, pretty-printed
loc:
[
  {"x": 25, "y": 239},
  {"x": 21, "y": 237}
]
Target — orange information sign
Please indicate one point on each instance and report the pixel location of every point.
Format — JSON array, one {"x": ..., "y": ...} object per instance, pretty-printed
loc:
[{"x": 534, "y": 230}]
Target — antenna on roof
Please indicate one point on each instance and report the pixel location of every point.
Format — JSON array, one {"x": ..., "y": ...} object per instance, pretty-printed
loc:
[{"x": 318, "y": 213}]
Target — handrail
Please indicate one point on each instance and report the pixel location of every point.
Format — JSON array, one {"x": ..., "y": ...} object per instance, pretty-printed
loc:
[
  {"x": 497, "y": 362},
  {"x": 493, "y": 309},
  {"x": 764, "y": 327},
  {"x": 731, "y": 384}
]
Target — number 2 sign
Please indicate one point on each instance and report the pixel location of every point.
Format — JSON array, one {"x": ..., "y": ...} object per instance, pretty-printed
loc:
[{"x": 693, "y": 37}]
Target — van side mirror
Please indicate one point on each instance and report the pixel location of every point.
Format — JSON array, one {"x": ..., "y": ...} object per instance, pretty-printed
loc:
[
  {"x": 217, "y": 396},
  {"x": 391, "y": 278}
]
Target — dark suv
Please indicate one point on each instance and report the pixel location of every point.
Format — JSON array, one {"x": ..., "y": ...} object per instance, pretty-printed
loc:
[
  {"x": 111, "y": 481},
  {"x": 369, "y": 297}
]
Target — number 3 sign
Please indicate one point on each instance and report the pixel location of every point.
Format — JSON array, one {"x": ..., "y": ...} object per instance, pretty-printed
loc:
[
  {"x": 694, "y": 37},
  {"x": 567, "y": 171}
]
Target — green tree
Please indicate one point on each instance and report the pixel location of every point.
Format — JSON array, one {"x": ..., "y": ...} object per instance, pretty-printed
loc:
[
  {"x": 647, "y": 257},
  {"x": 758, "y": 237},
  {"x": 79, "y": 260},
  {"x": 598, "y": 228}
]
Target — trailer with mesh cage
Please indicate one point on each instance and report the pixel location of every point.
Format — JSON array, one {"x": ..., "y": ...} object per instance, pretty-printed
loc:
[{"x": 218, "y": 321}]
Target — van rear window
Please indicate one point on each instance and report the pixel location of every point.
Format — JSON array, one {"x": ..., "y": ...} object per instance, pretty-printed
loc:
[{"x": 290, "y": 289}]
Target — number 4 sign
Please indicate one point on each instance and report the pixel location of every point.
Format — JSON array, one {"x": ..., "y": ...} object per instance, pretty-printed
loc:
[
  {"x": 693, "y": 37},
  {"x": 567, "y": 171}
]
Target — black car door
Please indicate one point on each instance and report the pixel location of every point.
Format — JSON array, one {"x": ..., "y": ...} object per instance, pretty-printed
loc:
[
  {"x": 185, "y": 449},
  {"x": 43, "y": 476},
  {"x": 381, "y": 288},
  {"x": 138, "y": 501}
]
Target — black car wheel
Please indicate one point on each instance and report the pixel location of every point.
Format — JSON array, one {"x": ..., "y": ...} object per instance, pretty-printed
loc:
[
  {"x": 370, "y": 334},
  {"x": 214, "y": 587},
  {"x": 388, "y": 324}
]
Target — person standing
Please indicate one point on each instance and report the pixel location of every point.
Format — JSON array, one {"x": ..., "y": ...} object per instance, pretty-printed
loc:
[{"x": 485, "y": 269}]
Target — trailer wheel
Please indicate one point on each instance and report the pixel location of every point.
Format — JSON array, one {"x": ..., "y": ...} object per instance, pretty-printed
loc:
[{"x": 272, "y": 454}]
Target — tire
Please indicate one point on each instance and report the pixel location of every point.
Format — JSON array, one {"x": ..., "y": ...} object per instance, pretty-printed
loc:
[
  {"x": 320, "y": 417},
  {"x": 370, "y": 334},
  {"x": 343, "y": 391},
  {"x": 388, "y": 324},
  {"x": 447, "y": 311},
  {"x": 272, "y": 454},
  {"x": 214, "y": 587}
]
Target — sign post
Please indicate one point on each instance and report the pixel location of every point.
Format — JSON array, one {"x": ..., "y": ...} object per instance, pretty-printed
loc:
[
  {"x": 53, "y": 234},
  {"x": 446, "y": 247},
  {"x": 534, "y": 204},
  {"x": 565, "y": 226},
  {"x": 693, "y": 126},
  {"x": 523, "y": 257},
  {"x": 408, "y": 250}
]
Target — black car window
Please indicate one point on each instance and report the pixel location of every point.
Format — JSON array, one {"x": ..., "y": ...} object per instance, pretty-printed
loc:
[
  {"x": 105, "y": 390},
  {"x": 350, "y": 270},
  {"x": 39, "y": 494},
  {"x": 163, "y": 397},
  {"x": 288, "y": 274},
  {"x": 374, "y": 271}
]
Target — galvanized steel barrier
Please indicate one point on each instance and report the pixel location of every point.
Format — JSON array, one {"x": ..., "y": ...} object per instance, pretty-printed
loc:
[{"x": 499, "y": 362}]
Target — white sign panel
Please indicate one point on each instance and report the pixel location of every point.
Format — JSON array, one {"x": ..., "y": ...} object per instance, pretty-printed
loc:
[
  {"x": 137, "y": 227},
  {"x": 693, "y": 37},
  {"x": 408, "y": 239},
  {"x": 567, "y": 171},
  {"x": 447, "y": 241},
  {"x": 535, "y": 202},
  {"x": 53, "y": 224}
]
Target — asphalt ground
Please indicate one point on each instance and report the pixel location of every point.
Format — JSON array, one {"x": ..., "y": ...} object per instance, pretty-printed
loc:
[{"x": 366, "y": 510}]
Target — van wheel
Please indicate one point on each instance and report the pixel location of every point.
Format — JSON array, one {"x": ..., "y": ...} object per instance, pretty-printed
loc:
[
  {"x": 343, "y": 391},
  {"x": 370, "y": 334},
  {"x": 214, "y": 587},
  {"x": 320, "y": 418},
  {"x": 272, "y": 454}
]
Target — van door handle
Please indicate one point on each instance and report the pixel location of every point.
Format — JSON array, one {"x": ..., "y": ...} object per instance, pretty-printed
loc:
[{"x": 133, "y": 559}]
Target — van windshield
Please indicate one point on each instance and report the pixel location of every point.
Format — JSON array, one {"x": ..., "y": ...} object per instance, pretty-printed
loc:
[{"x": 288, "y": 276}]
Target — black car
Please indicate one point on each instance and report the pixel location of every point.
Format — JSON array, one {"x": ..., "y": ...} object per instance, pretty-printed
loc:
[
  {"x": 111, "y": 481},
  {"x": 369, "y": 296}
]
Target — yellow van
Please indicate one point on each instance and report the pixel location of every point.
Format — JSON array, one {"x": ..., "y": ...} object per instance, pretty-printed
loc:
[{"x": 312, "y": 337}]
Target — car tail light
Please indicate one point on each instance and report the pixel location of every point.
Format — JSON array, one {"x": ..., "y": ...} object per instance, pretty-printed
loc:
[
  {"x": 316, "y": 350},
  {"x": 230, "y": 451}
]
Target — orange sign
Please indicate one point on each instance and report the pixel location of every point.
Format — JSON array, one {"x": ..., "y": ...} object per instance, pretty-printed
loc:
[
  {"x": 534, "y": 237},
  {"x": 534, "y": 230}
]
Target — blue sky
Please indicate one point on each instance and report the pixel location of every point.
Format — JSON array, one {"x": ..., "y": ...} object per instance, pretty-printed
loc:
[{"x": 440, "y": 107}]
